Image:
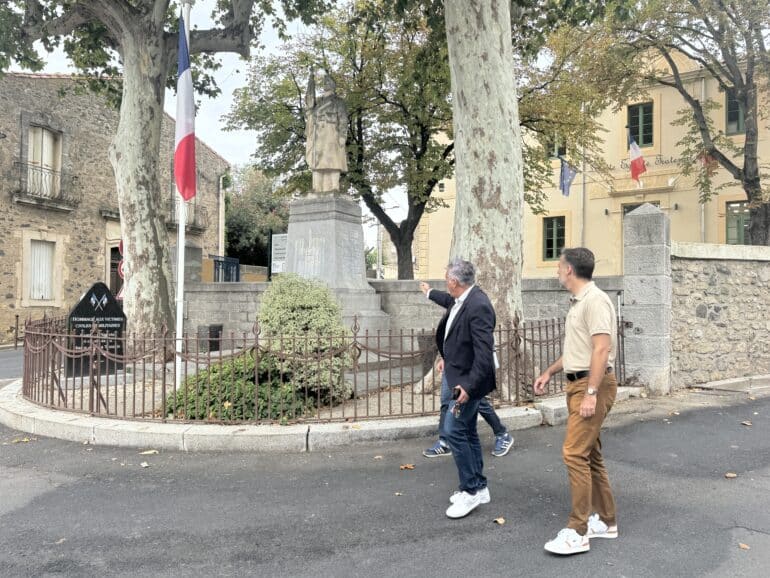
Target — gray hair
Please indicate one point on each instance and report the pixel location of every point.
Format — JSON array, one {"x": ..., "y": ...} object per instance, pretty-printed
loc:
[{"x": 461, "y": 271}]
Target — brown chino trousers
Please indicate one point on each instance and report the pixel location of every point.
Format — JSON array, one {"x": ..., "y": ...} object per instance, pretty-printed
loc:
[{"x": 582, "y": 453}]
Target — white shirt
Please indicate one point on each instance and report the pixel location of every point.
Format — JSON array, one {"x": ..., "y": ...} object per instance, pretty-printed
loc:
[{"x": 455, "y": 309}]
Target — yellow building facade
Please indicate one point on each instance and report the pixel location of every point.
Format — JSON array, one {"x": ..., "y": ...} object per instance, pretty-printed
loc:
[{"x": 592, "y": 213}]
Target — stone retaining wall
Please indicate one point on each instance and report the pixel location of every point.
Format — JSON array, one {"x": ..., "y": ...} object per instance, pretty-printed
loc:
[
  {"x": 234, "y": 305},
  {"x": 720, "y": 312}
]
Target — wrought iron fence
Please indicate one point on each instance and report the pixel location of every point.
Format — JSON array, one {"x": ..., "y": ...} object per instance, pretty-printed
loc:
[
  {"x": 226, "y": 269},
  {"x": 259, "y": 378}
]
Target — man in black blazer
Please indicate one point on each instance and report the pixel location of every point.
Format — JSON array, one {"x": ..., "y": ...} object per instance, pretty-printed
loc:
[
  {"x": 503, "y": 439},
  {"x": 466, "y": 342}
]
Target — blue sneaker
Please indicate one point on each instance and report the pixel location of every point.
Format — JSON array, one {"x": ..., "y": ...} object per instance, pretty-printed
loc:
[
  {"x": 436, "y": 450},
  {"x": 503, "y": 444}
]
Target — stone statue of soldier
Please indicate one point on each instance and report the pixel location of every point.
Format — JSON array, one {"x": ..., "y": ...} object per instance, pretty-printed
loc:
[{"x": 326, "y": 125}]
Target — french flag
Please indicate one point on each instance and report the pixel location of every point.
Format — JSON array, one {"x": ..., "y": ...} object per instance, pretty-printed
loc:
[
  {"x": 638, "y": 165},
  {"x": 184, "y": 154}
]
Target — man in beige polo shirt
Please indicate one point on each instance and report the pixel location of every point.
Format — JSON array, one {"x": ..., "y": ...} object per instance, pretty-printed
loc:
[{"x": 588, "y": 357}]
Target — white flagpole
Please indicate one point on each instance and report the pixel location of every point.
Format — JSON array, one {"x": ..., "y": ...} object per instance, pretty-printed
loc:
[
  {"x": 583, "y": 189},
  {"x": 181, "y": 221}
]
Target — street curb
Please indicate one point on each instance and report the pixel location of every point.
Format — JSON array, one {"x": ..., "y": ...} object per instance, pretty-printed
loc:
[{"x": 20, "y": 414}]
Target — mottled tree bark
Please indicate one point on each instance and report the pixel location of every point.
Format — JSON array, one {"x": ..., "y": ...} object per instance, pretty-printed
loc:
[
  {"x": 488, "y": 165},
  {"x": 135, "y": 156}
]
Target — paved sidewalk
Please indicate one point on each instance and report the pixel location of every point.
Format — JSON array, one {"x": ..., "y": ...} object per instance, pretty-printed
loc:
[{"x": 20, "y": 414}]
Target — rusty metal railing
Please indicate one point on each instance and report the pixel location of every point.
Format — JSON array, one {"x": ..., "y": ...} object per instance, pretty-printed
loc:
[{"x": 259, "y": 378}]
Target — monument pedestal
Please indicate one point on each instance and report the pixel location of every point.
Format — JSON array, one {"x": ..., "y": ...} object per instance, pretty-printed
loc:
[{"x": 326, "y": 242}]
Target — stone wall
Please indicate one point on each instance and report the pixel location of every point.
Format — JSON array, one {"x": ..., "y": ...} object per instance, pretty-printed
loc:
[
  {"x": 234, "y": 305},
  {"x": 83, "y": 232},
  {"x": 720, "y": 312}
]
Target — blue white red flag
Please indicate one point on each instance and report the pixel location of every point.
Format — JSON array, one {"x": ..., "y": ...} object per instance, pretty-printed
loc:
[
  {"x": 638, "y": 166},
  {"x": 184, "y": 152}
]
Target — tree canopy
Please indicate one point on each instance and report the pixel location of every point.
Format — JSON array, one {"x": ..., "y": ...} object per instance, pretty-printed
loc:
[
  {"x": 726, "y": 41},
  {"x": 252, "y": 212},
  {"x": 392, "y": 68}
]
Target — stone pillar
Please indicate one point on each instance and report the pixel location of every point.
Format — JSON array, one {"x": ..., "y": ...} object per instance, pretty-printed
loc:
[
  {"x": 326, "y": 242},
  {"x": 647, "y": 298}
]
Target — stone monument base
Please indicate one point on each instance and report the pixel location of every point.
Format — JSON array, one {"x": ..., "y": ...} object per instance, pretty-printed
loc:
[{"x": 326, "y": 242}]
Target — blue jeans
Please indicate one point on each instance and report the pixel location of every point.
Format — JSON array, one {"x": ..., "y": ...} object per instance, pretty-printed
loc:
[
  {"x": 485, "y": 410},
  {"x": 464, "y": 442}
]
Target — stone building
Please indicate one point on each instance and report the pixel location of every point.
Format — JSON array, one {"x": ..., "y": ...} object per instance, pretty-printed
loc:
[{"x": 59, "y": 220}]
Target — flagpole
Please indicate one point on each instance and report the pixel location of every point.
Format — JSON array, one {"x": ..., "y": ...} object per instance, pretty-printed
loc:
[
  {"x": 181, "y": 221},
  {"x": 583, "y": 196}
]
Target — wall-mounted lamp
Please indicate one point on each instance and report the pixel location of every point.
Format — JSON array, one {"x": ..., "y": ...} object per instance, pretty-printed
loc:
[
  {"x": 606, "y": 211},
  {"x": 676, "y": 206}
]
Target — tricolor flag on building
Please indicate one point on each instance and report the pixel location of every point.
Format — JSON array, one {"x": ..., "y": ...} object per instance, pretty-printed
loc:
[
  {"x": 638, "y": 165},
  {"x": 184, "y": 155}
]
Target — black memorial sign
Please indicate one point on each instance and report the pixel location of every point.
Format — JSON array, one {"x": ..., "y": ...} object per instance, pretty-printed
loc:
[{"x": 99, "y": 318}]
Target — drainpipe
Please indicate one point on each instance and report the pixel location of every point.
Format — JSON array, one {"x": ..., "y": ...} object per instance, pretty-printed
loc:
[
  {"x": 703, "y": 205},
  {"x": 221, "y": 217}
]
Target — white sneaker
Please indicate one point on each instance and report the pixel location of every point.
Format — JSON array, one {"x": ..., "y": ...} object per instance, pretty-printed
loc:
[
  {"x": 463, "y": 505},
  {"x": 598, "y": 529},
  {"x": 568, "y": 541},
  {"x": 483, "y": 496}
]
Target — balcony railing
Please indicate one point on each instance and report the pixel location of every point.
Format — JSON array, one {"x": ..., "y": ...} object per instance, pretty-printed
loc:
[
  {"x": 197, "y": 216},
  {"x": 42, "y": 186}
]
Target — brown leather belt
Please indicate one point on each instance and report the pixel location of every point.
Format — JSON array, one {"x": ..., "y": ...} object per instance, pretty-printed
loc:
[{"x": 581, "y": 374}]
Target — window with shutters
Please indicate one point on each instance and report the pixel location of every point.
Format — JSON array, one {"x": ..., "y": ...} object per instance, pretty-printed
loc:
[
  {"x": 43, "y": 162},
  {"x": 42, "y": 260},
  {"x": 41, "y": 270}
]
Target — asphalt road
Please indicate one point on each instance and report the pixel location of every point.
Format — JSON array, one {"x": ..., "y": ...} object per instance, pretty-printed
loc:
[
  {"x": 76, "y": 510},
  {"x": 11, "y": 361}
]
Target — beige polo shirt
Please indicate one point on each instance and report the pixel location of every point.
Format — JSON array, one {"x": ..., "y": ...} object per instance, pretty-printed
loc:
[{"x": 591, "y": 313}]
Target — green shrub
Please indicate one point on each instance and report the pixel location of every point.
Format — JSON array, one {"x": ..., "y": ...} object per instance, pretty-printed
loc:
[
  {"x": 314, "y": 344},
  {"x": 226, "y": 391},
  {"x": 302, "y": 353}
]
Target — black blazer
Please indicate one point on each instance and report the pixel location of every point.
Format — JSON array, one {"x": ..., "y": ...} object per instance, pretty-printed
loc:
[{"x": 468, "y": 348}]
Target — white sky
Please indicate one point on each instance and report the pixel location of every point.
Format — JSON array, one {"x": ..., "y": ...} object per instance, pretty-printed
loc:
[{"x": 235, "y": 146}]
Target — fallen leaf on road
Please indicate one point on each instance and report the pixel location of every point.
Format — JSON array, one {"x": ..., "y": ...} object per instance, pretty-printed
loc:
[
  {"x": 747, "y": 423},
  {"x": 499, "y": 521},
  {"x": 148, "y": 453},
  {"x": 61, "y": 540},
  {"x": 406, "y": 467},
  {"x": 398, "y": 494},
  {"x": 23, "y": 440},
  {"x": 752, "y": 398},
  {"x": 377, "y": 457},
  {"x": 145, "y": 465},
  {"x": 355, "y": 426},
  {"x": 743, "y": 546},
  {"x": 731, "y": 475}
]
